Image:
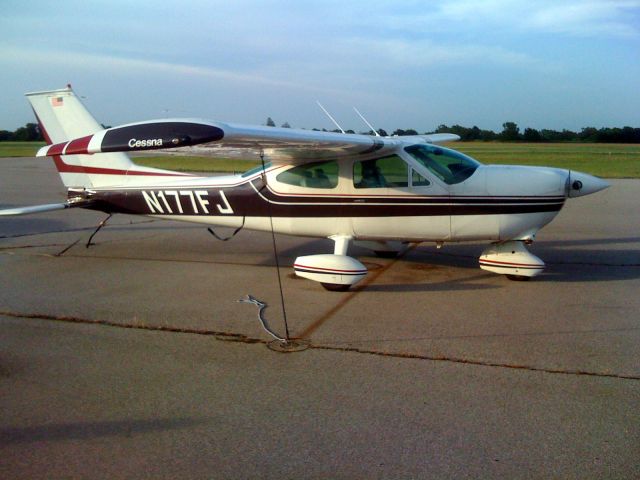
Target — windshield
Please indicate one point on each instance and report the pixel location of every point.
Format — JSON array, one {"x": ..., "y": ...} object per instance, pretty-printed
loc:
[{"x": 448, "y": 165}]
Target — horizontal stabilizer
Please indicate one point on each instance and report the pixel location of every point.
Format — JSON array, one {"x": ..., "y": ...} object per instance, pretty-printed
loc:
[{"x": 49, "y": 207}]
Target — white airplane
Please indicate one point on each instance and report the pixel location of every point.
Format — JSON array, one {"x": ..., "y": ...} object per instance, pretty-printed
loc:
[{"x": 377, "y": 191}]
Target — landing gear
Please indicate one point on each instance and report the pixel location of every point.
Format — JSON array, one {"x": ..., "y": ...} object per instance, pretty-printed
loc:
[
  {"x": 335, "y": 287},
  {"x": 518, "y": 278},
  {"x": 512, "y": 259},
  {"x": 335, "y": 272}
]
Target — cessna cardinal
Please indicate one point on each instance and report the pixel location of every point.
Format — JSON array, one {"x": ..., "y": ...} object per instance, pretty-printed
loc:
[{"x": 378, "y": 191}]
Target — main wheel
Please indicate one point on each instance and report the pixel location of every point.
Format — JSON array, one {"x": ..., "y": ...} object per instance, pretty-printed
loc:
[
  {"x": 335, "y": 287},
  {"x": 518, "y": 278}
]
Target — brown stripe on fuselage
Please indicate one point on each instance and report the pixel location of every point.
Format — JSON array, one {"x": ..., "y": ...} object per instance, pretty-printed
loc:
[{"x": 257, "y": 201}]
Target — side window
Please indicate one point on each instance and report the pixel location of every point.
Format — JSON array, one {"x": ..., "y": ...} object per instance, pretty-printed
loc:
[
  {"x": 311, "y": 175},
  {"x": 386, "y": 172},
  {"x": 418, "y": 180}
]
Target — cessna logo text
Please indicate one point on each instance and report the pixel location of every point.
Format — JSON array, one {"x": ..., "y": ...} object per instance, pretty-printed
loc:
[
  {"x": 188, "y": 202},
  {"x": 151, "y": 142}
]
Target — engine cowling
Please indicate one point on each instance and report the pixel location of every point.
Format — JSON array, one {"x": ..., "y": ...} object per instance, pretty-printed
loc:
[{"x": 334, "y": 272}]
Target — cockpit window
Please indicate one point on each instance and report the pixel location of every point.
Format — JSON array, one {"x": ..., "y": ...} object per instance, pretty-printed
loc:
[
  {"x": 385, "y": 172},
  {"x": 311, "y": 175},
  {"x": 448, "y": 165}
]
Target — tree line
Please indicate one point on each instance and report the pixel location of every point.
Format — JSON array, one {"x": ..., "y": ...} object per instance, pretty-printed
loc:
[
  {"x": 510, "y": 133},
  {"x": 29, "y": 133}
]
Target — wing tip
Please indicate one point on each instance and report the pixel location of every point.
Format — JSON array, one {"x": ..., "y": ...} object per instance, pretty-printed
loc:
[{"x": 42, "y": 152}]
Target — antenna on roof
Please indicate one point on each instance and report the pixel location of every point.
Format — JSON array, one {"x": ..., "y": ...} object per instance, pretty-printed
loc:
[
  {"x": 330, "y": 117},
  {"x": 365, "y": 121}
]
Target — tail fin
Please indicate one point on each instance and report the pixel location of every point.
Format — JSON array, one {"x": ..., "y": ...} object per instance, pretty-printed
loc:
[{"x": 62, "y": 117}]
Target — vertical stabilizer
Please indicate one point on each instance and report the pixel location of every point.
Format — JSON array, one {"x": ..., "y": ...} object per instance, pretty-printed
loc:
[{"x": 62, "y": 117}]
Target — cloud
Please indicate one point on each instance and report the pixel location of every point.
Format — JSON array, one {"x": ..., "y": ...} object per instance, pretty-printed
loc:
[
  {"x": 583, "y": 18},
  {"x": 426, "y": 53},
  {"x": 109, "y": 64},
  {"x": 587, "y": 19}
]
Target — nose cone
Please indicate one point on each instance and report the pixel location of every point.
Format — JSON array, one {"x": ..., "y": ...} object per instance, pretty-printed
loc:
[{"x": 581, "y": 184}]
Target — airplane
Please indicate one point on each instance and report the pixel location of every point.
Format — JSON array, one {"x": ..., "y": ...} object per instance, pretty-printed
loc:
[{"x": 379, "y": 192}]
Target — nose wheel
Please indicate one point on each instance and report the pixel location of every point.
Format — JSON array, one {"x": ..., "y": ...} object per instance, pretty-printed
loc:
[{"x": 335, "y": 287}]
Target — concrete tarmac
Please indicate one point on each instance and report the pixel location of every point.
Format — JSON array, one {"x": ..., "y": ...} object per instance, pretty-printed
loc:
[{"x": 133, "y": 359}]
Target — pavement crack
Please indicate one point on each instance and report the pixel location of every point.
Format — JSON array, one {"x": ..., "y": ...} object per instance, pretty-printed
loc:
[
  {"x": 229, "y": 336},
  {"x": 466, "y": 361},
  {"x": 241, "y": 338}
]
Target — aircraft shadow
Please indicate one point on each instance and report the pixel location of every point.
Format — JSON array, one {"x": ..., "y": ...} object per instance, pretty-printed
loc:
[
  {"x": 460, "y": 284},
  {"x": 90, "y": 430}
]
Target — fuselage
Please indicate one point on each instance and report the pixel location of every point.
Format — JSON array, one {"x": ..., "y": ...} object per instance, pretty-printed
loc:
[{"x": 426, "y": 194}]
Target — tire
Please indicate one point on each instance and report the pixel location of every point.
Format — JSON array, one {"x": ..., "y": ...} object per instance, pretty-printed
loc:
[
  {"x": 335, "y": 287},
  {"x": 518, "y": 278}
]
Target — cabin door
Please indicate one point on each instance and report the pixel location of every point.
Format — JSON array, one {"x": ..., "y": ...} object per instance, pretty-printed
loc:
[{"x": 398, "y": 202}]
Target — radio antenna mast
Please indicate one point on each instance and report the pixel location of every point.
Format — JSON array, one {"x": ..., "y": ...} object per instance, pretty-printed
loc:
[
  {"x": 330, "y": 117},
  {"x": 365, "y": 121}
]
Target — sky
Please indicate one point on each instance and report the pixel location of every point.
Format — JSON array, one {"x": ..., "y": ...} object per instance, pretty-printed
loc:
[{"x": 403, "y": 64}]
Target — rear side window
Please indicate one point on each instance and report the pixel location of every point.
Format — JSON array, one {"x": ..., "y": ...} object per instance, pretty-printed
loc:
[{"x": 311, "y": 175}]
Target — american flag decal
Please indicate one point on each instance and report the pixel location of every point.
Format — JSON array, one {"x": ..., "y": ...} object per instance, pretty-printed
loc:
[{"x": 56, "y": 101}]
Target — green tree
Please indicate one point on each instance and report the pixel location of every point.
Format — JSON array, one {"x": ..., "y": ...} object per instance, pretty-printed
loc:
[
  {"x": 29, "y": 133},
  {"x": 531, "y": 135},
  {"x": 510, "y": 132},
  {"x": 401, "y": 132},
  {"x": 5, "y": 135},
  {"x": 588, "y": 134}
]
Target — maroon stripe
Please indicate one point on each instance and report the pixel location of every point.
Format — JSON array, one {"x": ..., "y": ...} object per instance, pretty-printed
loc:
[
  {"x": 78, "y": 146},
  {"x": 328, "y": 270},
  {"x": 42, "y": 129},
  {"x": 510, "y": 264},
  {"x": 60, "y": 165},
  {"x": 56, "y": 149}
]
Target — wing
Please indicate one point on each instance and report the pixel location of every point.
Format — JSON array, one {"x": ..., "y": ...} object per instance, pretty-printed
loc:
[{"x": 223, "y": 140}]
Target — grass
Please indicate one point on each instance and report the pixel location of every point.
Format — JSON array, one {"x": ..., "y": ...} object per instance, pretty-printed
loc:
[
  {"x": 19, "y": 149},
  {"x": 197, "y": 164},
  {"x": 603, "y": 160}
]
